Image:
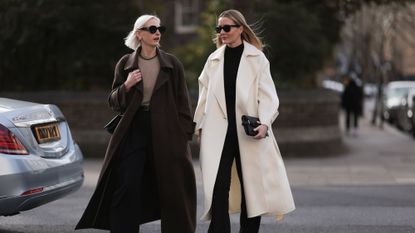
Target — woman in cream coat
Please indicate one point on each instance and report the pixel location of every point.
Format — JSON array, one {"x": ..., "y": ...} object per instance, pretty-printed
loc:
[{"x": 257, "y": 160}]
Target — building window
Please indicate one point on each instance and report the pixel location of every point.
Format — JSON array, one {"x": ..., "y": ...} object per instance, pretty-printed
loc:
[{"x": 186, "y": 16}]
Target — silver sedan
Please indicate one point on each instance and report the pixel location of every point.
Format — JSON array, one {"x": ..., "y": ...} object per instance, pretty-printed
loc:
[{"x": 39, "y": 161}]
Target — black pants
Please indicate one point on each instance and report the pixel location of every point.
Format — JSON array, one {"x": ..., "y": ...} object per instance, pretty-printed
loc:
[
  {"x": 220, "y": 222},
  {"x": 136, "y": 157},
  {"x": 355, "y": 115}
]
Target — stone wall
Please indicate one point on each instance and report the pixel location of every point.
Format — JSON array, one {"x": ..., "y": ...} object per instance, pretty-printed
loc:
[{"x": 307, "y": 124}]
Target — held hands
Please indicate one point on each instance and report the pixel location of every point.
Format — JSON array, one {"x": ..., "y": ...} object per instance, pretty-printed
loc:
[
  {"x": 133, "y": 78},
  {"x": 261, "y": 131}
]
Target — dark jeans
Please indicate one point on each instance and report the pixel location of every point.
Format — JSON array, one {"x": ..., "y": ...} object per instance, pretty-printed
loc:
[
  {"x": 220, "y": 222},
  {"x": 355, "y": 115},
  {"x": 135, "y": 156}
]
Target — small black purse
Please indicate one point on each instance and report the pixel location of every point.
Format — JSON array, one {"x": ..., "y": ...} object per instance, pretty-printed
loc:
[
  {"x": 112, "y": 124},
  {"x": 250, "y": 123}
]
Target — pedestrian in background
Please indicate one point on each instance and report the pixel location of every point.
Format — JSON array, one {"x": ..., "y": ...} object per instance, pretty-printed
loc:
[
  {"x": 147, "y": 172},
  {"x": 240, "y": 173},
  {"x": 351, "y": 101}
]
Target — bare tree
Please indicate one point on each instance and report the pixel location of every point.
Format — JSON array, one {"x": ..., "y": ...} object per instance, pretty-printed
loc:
[{"x": 373, "y": 41}]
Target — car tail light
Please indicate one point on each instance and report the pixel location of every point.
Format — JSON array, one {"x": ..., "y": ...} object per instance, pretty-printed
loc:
[
  {"x": 32, "y": 191},
  {"x": 9, "y": 143}
]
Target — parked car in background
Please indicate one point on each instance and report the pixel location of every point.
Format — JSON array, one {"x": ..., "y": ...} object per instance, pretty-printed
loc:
[
  {"x": 39, "y": 161},
  {"x": 370, "y": 89},
  {"x": 333, "y": 85},
  {"x": 412, "y": 114},
  {"x": 405, "y": 113},
  {"x": 394, "y": 93}
]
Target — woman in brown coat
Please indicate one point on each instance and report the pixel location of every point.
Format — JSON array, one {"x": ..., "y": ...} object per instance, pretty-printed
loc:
[{"x": 147, "y": 172}]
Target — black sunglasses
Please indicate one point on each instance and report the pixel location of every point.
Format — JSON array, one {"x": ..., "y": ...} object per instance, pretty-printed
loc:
[
  {"x": 153, "y": 29},
  {"x": 226, "y": 28}
]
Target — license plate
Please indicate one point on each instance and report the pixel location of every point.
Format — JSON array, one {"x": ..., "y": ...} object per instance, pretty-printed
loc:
[{"x": 47, "y": 133}]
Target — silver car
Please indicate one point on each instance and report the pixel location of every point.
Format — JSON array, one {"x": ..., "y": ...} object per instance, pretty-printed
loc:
[{"x": 39, "y": 161}]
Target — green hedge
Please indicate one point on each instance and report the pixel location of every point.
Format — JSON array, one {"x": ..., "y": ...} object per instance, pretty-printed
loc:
[{"x": 61, "y": 44}]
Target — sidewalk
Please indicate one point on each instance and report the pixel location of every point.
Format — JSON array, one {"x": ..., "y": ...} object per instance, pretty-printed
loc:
[{"x": 374, "y": 156}]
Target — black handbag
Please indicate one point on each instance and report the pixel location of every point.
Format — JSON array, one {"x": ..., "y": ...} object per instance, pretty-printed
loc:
[
  {"x": 250, "y": 123},
  {"x": 112, "y": 124}
]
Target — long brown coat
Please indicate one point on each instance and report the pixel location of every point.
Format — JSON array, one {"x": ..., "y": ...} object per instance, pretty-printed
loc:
[{"x": 172, "y": 127}]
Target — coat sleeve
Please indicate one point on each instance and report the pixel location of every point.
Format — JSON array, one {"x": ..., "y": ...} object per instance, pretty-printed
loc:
[
  {"x": 183, "y": 102},
  {"x": 119, "y": 98},
  {"x": 268, "y": 101},
  {"x": 201, "y": 103}
]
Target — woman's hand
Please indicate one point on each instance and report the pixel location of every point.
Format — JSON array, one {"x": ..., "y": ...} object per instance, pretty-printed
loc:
[
  {"x": 261, "y": 131},
  {"x": 133, "y": 78}
]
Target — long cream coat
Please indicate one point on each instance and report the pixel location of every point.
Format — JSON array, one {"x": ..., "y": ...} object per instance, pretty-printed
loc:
[{"x": 267, "y": 190}]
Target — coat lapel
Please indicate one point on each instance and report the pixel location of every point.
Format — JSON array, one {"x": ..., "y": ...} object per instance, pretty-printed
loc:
[
  {"x": 218, "y": 79},
  {"x": 132, "y": 64},
  {"x": 247, "y": 73},
  {"x": 165, "y": 68}
]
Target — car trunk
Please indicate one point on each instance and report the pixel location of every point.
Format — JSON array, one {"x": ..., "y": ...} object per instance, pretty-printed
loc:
[{"x": 41, "y": 128}]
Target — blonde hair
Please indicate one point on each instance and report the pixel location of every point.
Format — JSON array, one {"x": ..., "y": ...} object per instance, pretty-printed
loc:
[
  {"x": 247, "y": 34},
  {"x": 131, "y": 41}
]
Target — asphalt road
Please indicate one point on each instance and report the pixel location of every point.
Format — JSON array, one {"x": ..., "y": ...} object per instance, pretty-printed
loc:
[{"x": 334, "y": 209}]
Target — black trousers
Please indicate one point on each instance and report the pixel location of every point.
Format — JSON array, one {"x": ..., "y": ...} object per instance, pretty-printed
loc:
[
  {"x": 220, "y": 222},
  {"x": 349, "y": 115},
  {"x": 136, "y": 157}
]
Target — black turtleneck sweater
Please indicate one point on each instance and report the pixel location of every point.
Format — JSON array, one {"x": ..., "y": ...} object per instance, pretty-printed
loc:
[{"x": 230, "y": 71}]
